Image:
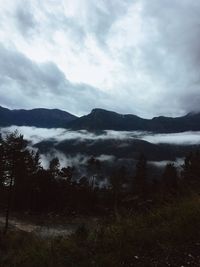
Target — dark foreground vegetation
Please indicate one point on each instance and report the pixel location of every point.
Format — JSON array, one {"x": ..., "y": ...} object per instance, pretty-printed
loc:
[
  {"x": 165, "y": 236},
  {"x": 142, "y": 222}
]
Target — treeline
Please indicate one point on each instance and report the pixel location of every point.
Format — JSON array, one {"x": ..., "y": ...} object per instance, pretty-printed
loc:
[{"x": 26, "y": 186}]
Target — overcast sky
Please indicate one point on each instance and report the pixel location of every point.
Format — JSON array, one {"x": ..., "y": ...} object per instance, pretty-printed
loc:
[{"x": 130, "y": 56}]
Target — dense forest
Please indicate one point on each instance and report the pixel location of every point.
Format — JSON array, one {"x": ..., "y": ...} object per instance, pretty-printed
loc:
[
  {"x": 26, "y": 186},
  {"x": 125, "y": 203}
]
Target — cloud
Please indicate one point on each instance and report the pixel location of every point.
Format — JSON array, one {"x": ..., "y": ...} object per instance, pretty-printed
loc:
[
  {"x": 171, "y": 52},
  {"x": 36, "y": 135},
  {"x": 65, "y": 160},
  {"x": 161, "y": 164},
  {"x": 25, "y": 19},
  {"x": 131, "y": 56},
  {"x": 28, "y": 84}
]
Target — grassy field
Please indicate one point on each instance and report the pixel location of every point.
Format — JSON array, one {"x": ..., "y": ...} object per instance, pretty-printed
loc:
[{"x": 168, "y": 235}]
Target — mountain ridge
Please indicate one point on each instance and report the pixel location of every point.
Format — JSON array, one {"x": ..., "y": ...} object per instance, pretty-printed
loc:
[
  {"x": 101, "y": 119},
  {"x": 98, "y": 119},
  {"x": 38, "y": 117}
]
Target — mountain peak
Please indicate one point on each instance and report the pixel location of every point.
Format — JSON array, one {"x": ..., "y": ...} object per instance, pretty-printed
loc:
[
  {"x": 38, "y": 117},
  {"x": 100, "y": 110},
  {"x": 192, "y": 113}
]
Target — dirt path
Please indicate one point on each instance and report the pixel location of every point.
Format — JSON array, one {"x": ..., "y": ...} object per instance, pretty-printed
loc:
[{"x": 41, "y": 230}]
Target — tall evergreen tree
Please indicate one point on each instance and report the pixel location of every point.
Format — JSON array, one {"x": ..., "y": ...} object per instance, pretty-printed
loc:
[
  {"x": 54, "y": 167},
  {"x": 14, "y": 147},
  {"x": 117, "y": 179},
  {"x": 140, "y": 179},
  {"x": 170, "y": 178},
  {"x": 93, "y": 168},
  {"x": 2, "y": 163},
  {"x": 191, "y": 167}
]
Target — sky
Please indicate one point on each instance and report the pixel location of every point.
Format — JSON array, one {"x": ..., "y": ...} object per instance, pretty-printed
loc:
[{"x": 129, "y": 56}]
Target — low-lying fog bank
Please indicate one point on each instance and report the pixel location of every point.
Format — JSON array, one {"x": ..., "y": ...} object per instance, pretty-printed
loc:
[
  {"x": 36, "y": 135},
  {"x": 74, "y": 148}
]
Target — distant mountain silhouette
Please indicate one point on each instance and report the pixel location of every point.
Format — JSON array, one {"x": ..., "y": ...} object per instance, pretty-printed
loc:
[
  {"x": 97, "y": 120},
  {"x": 41, "y": 117},
  {"x": 100, "y": 119}
]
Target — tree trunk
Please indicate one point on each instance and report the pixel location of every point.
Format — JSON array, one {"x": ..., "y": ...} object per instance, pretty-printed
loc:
[
  {"x": 8, "y": 206},
  {"x": 117, "y": 217}
]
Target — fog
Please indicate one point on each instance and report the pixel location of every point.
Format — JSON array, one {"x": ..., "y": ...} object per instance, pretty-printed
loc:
[
  {"x": 161, "y": 164},
  {"x": 80, "y": 159},
  {"x": 36, "y": 135},
  {"x": 69, "y": 160},
  {"x": 185, "y": 138}
]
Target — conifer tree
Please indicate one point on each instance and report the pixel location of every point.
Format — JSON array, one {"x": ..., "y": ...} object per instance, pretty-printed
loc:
[
  {"x": 140, "y": 179},
  {"x": 170, "y": 178}
]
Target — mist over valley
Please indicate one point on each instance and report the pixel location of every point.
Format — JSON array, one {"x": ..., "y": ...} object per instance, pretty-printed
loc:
[{"x": 112, "y": 148}]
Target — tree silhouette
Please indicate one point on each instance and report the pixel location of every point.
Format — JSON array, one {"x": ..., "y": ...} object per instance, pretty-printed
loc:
[
  {"x": 93, "y": 168},
  {"x": 2, "y": 163},
  {"x": 170, "y": 178},
  {"x": 117, "y": 179},
  {"x": 54, "y": 166},
  {"x": 191, "y": 168},
  {"x": 67, "y": 173},
  {"x": 140, "y": 179},
  {"x": 14, "y": 149}
]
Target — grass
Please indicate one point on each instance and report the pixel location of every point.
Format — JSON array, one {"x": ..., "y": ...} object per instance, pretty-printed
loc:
[{"x": 164, "y": 236}]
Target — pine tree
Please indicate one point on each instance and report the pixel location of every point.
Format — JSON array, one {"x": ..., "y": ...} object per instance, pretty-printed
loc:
[
  {"x": 140, "y": 179},
  {"x": 54, "y": 166},
  {"x": 117, "y": 180},
  {"x": 93, "y": 168},
  {"x": 14, "y": 147},
  {"x": 170, "y": 178}
]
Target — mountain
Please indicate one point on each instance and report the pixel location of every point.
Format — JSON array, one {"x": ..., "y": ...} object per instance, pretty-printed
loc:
[
  {"x": 41, "y": 117},
  {"x": 100, "y": 119},
  {"x": 119, "y": 148},
  {"x": 97, "y": 120}
]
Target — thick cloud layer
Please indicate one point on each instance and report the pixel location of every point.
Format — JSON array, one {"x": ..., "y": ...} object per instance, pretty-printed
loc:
[
  {"x": 26, "y": 83},
  {"x": 36, "y": 135},
  {"x": 131, "y": 56}
]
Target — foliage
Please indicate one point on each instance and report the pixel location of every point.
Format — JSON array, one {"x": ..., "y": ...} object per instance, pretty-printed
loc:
[
  {"x": 157, "y": 222},
  {"x": 165, "y": 236}
]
